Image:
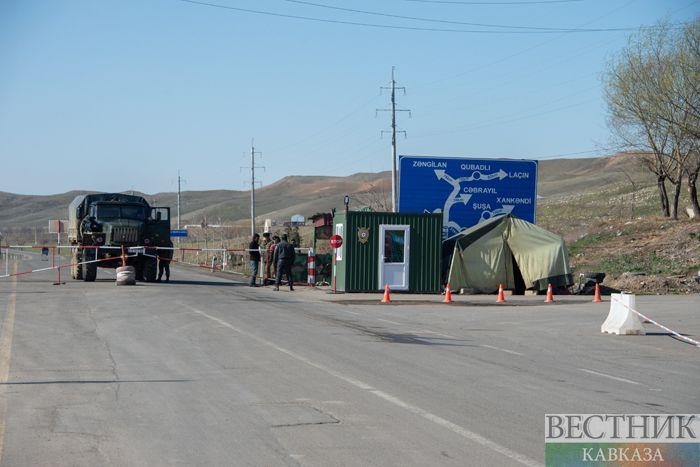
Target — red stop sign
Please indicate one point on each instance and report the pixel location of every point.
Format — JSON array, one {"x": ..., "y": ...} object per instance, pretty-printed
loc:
[{"x": 336, "y": 241}]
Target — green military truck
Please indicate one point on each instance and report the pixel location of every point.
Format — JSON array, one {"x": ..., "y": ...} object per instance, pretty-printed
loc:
[{"x": 101, "y": 224}]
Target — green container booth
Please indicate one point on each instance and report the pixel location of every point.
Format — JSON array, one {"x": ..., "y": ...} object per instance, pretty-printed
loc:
[{"x": 379, "y": 248}]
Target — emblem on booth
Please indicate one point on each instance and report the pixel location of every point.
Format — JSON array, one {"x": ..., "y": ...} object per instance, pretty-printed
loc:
[{"x": 363, "y": 234}]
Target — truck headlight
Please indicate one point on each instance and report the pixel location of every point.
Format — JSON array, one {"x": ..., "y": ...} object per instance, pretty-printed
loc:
[{"x": 99, "y": 240}]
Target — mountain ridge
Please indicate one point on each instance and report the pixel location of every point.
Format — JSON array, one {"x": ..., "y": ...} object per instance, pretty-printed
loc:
[{"x": 307, "y": 195}]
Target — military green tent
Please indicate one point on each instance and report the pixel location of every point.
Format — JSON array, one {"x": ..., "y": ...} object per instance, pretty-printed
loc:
[{"x": 509, "y": 251}]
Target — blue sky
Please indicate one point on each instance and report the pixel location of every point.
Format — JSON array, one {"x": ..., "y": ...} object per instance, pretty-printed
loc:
[{"x": 117, "y": 95}]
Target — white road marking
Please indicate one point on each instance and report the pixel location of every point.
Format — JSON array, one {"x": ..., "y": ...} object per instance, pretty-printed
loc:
[
  {"x": 609, "y": 376},
  {"x": 457, "y": 429},
  {"x": 351, "y": 312},
  {"x": 477, "y": 438},
  {"x": 388, "y": 321},
  {"x": 502, "y": 350},
  {"x": 8, "y": 327}
]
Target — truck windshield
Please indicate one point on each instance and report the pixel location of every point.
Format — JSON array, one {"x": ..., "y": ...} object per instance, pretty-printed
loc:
[
  {"x": 110, "y": 211},
  {"x": 134, "y": 212}
]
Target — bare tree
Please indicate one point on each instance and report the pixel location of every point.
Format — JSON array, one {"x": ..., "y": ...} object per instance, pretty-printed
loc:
[
  {"x": 677, "y": 107},
  {"x": 377, "y": 197},
  {"x": 630, "y": 97},
  {"x": 688, "y": 97},
  {"x": 652, "y": 93},
  {"x": 633, "y": 184}
]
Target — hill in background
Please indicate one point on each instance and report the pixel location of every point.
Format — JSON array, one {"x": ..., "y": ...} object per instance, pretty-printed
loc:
[
  {"x": 307, "y": 195},
  {"x": 605, "y": 208},
  {"x": 291, "y": 195}
]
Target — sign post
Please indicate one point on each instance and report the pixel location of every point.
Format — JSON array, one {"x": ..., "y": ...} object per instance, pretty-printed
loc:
[
  {"x": 57, "y": 227},
  {"x": 336, "y": 242}
]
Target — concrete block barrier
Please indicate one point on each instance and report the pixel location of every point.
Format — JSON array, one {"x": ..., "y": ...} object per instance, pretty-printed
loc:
[{"x": 622, "y": 320}]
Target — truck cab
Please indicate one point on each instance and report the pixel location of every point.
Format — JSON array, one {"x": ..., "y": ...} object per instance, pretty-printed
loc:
[{"x": 105, "y": 226}]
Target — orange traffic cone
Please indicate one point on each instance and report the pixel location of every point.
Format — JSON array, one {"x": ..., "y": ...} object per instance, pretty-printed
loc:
[
  {"x": 448, "y": 295},
  {"x": 501, "y": 296},
  {"x": 596, "y": 297},
  {"x": 387, "y": 294},
  {"x": 550, "y": 295}
]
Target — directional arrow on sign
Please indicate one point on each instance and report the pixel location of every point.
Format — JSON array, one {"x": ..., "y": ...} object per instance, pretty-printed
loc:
[
  {"x": 502, "y": 211},
  {"x": 442, "y": 175},
  {"x": 476, "y": 175}
]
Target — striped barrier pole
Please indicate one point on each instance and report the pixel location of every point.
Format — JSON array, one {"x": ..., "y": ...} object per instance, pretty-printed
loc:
[
  {"x": 311, "y": 268},
  {"x": 60, "y": 266}
]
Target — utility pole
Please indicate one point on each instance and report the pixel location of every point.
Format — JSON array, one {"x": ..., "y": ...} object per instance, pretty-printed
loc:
[
  {"x": 394, "y": 174},
  {"x": 253, "y": 153},
  {"x": 179, "y": 183}
]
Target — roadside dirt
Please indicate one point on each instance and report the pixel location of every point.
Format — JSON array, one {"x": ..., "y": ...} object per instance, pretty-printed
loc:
[{"x": 645, "y": 255}]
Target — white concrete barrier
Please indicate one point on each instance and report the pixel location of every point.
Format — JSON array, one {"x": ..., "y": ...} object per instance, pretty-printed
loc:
[
  {"x": 621, "y": 319},
  {"x": 126, "y": 275}
]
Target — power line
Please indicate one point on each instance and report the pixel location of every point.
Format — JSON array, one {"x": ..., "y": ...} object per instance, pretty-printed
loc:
[
  {"x": 337, "y": 140},
  {"x": 527, "y": 49},
  {"x": 328, "y": 127},
  {"x": 505, "y": 120},
  {"x": 539, "y": 2},
  {"x": 591, "y": 152},
  {"x": 404, "y": 28},
  {"x": 432, "y": 20},
  {"x": 495, "y": 84}
]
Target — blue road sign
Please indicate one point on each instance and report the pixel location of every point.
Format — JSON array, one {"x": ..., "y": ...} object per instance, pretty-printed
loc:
[
  {"x": 178, "y": 233},
  {"x": 467, "y": 191}
]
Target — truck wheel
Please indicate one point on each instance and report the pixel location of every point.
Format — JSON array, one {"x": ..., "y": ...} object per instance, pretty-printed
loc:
[
  {"x": 90, "y": 269},
  {"x": 90, "y": 272},
  {"x": 77, "y": 269},
  {"x": 150, "y": 269}
]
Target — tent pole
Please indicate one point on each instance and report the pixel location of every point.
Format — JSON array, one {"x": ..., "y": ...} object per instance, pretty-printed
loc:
[{"x": 505, "y": 260}]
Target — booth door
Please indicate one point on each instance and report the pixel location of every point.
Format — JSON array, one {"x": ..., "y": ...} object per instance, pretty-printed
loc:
[{"x": 394, "y": 241}]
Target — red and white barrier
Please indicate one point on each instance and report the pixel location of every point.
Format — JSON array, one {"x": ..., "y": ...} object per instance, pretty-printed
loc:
[
  {"x": 311, "y": 268},
  {"x": 147, "y": 251},
  {"x": 619, "y": 299},
  {"x": 61, "y": 266}
]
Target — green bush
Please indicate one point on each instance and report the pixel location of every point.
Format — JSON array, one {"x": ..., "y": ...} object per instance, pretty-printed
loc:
[{"x": 649, "y": 264}]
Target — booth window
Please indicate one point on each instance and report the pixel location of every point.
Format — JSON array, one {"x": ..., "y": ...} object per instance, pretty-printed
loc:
[{"x": 394, "y": 246}]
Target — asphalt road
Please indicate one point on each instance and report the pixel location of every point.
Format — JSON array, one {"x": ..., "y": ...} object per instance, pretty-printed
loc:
[{"x": 207, "y": 371}]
